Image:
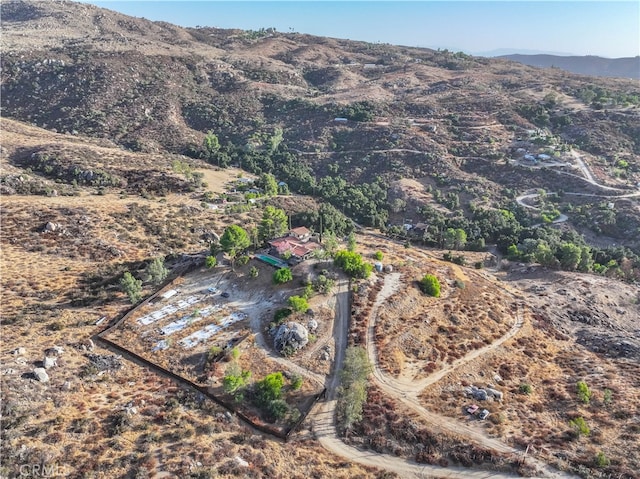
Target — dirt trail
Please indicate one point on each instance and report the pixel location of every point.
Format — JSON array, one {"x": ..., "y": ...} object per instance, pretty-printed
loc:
[
  {"x": 324, "y": 427},
  {"x": 408, "y": 393}
]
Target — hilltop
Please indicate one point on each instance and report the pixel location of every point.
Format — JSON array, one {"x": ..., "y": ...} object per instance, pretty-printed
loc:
[{"x": 584, "y": 65}]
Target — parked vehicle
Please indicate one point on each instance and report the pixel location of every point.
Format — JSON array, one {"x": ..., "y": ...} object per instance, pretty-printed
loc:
[
  {"x": 484, "y": 414},
  {"x": 472, "y": 409}
]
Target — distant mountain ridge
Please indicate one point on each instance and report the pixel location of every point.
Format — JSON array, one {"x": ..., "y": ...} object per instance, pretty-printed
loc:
[{"x": 584, "y": 65}]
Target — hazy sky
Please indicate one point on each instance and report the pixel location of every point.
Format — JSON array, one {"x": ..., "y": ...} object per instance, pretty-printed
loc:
[{"x": 605, "y": 28}]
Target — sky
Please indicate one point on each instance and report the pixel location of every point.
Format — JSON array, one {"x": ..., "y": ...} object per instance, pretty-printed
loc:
[{"x": 604, "y": 28}]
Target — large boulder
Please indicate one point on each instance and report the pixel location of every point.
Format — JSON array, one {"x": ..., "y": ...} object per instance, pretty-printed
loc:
[
  {"x": 290, "y": 337},
  {"x": 41, "y": 375}
]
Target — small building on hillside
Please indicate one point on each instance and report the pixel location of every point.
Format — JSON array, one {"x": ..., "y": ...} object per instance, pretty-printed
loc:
[{"x": 301, "y": 233}]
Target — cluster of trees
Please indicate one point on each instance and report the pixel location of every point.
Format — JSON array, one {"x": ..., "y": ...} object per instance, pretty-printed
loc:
[
  {"x": 267, "y": 395},
  {"x": 352, "y": 264},
  {"x": 353, "y": 391},
  {"x": 155, "y": 273}
]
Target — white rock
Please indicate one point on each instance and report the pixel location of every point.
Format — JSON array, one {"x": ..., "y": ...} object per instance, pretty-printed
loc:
[
  {"x": 19, "y": 351},
  {"x": 41, "y": 375},
  {"x": 241, "y": 462},
  {"x": 49, "y": 362}
]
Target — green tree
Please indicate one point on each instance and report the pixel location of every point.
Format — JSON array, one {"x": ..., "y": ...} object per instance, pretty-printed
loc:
[
  {"x": 353, "y": 391},
  {"x": 569, "y": 256},
  {"x": 352, "y": 264},
  {"x": 329, "y": 242},
  {"x": 210, "y": 261},
  {"x": 234, "y": 240},
  {"x": 544, "y": 255},
  {"x": 282, "y": 275},
  {"x": 584, "y": 393},
  {"x": 351, "y": 242},
  {"x": 211, "y": 147},
  {"x": 273, "y": 224},
  {"x": 269, "y": 184},
  {"x": 298, "y": 303},
  {"x": 131, "y": 286},
  {"x": 233, "y": 382},
  {"x": 455, "y": 238},
  {"x": 156, "y": 272},
  {"x": 586, "y": 260},
  {"x": 430, "y": 285},
  {"x": 270, "y": 388}
]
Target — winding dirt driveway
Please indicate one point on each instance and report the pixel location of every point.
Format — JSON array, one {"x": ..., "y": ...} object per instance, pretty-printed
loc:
[{"x": 324, "y": 418}]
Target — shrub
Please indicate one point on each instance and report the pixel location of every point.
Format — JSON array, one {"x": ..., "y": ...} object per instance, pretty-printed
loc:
[
  {"x": 253, "y": 272},
  {"x": 352, "y": 264},
  {"x": 378, "y": 255},
  {"x": 211, "y": 261},
  {"x": 296, "y": 382},
  {"x": 156, "y": 272},
  {"x": 277, "y": 409},
  {"x": 584, "y": 393},
  {"x": 298, "y": 303},
  {"x": 430, "y": 285},
  {"x": 608, "y": 397},
  {"x": 478, "y": 265},
  {"x": 270, "y": 388},
  {"x": 282, "y": 276},
  {"x": 232, "y": 382},
  {"x": 525, "y": 388},
  {"x": 580, "y": 425},
  {"x": 281, "y": 314},
  {"x": 242, "y": 260},
  {"x": 131, "y": 286},
  {"x": 602, "y": 460}
]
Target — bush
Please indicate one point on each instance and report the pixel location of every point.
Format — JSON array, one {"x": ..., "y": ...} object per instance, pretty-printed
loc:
[
  {"x": 253, "y": 272},
  {"x": 478, "y": 265},
  {"x": 580, "y": 426},
  {"x": 378, "y": 255},
  {"x": 242, "y": 260},
  {"x": 131, "y": 286},
  {"x": 211, "y": 261},
  {"x": 602, "y": 460},
  {"x": 352, "y": 264},
  {"x": 282, "y": 275},
  {"x": 296, "y": 382},
  {"x": 430, "y": 285},
  {"x": 525, "y": 388},
  {"x": 156, "y": 272},
  {"x": 584, "y": 393},
  {"x": 269, "y": 388},
  {"x": 298, "y": 303},
  {"x": 281, "y": 314}
]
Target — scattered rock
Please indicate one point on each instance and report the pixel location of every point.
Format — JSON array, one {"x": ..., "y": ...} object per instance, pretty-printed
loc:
[
  {"x": 90, "y": 345},
  {"x": 67, "y": 386},
  {"x": 241, "y": 462},
  {"x": 54, "y": 352},
  {"x": 106, "y": 363},
  {"x": 49, "y": 362},
  {"x": 41, "y": 375},
  {"x": 291, "y": 337},
  {"x": 19, "y": 351},
  {"x": 312, "y": 325}
]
